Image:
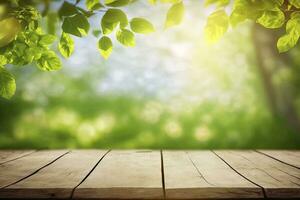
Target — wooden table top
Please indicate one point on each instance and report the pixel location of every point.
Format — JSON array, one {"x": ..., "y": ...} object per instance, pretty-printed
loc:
[{"x": 149, "y": 174}]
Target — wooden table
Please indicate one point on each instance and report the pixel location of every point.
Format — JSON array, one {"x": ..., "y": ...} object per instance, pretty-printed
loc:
[{"x": 147, "y": 174}]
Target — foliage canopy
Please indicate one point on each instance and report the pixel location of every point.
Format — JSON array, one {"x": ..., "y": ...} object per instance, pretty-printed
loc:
[{"x": 23, "y": 40}]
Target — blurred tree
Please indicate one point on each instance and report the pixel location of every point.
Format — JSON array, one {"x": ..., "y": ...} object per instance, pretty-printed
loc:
[{"x": 270, "y": 64}]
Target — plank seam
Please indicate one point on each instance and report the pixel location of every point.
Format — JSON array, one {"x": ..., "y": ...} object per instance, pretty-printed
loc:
[
  {"x": 276, "y": 159},
  {"x": 88, "y": 174},
  {"x": 162, "y": 173},
  {"x": 36, "y": 171},
  {"x": 263, "y": 189},
  {"x": 19, "y": 157}
]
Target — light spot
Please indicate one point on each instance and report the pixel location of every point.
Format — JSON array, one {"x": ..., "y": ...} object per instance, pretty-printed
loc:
[
  {"x": 206, "y": 118},
  {"x": 145, "y": 138},
  {"x": 202, "y": 134},
  {"x": 105, "y": 123},
  {"x": 64, "y": 118},
  {"x": 173, "y": 129},
  {"x": 152, "y": 112},
  {"x": 86, "y": 132}
]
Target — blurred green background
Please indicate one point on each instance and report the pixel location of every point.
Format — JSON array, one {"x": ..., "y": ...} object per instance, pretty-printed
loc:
[{"x": 172, "y": 91}]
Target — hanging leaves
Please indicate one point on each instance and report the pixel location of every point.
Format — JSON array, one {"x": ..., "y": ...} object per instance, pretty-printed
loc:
[
  {"x": 77, "y": 25},
  {"x": 66, "y": 45},
  {"x": 23, "y": 40},
  {"x": 272, "y": 18},
  {"x": 111, "y": 19},
  {"x": 116, "y": 3},
  {"x": 105, "y": 46},
  {"x": 126, "y": 37},
  {"x": 290, "y": 39},
  {"x": 93, "y": 4},
  {"x": 7, "y": 83},
  {"x": 140, "y": 25},
  {"x": 10, "y": 27},
  {"x": 217, "y": 25},
  {"x": 49, "y": 62},
  {"x": 174, "y": 15}
]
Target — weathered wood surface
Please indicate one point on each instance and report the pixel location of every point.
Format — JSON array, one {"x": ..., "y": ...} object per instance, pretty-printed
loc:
[
  {"x": 58, "y": 179},
  {"x": 278, "y": 179},
  {"x": 146, "y": 174},
  {"x": 288, "y": 157},
  {"x": 203, "y": 174},
  {"x": 14, "y": 171},
  {"x": 125, "y": 174},
  {"x": 10, "y": 155}
]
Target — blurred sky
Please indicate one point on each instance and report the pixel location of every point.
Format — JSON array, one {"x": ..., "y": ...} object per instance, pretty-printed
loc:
[{"x": 168, "y": 64}]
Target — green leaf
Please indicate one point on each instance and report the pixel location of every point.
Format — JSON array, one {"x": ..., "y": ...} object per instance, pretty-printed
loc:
[
  {"x": 67, "y": 9},
  {"x": 49, "y": 61},
  {"x": 236, "y": 17},
  {"x": 7, "y": 84},
  {"x": 66, "y": 45},
  {"x": 97, "y": 33},
  {"x": 290, "y": 39},
  {"x": 295, "y": 3},
  {"x": 47, "y": 39},
  {"x": 116, "y": 3},
  {"x": 10, "y": 27},
  {"x": 126, "y": 37},
  {"x": 286, "y": 42},
  {"x": 111, "y": 19},
  {"x": 140, "y": 25},
  {"x": 295, "y": 15},
  {"x": 170, "y": 1},
  {"x": 248, "y": 9},
  {"x": 93, "y": 4},
  {"x": 153, "y": 2},
  {"x": 272, "y": 18},
  {"x": 3, "y": 60},
  {"x": 34, "y": 53},
  {"x": 174, "y": 15},
  {"x": 105, "y": 46},
  {"x": 219, "y": 3},
  {"x": 217, "y": 25},
  {"x": 293, "y": 25},
  {"x": 86, "y": 12},
  {"x": 77, "y": 25},
  {"x": 52, "y": 20}
]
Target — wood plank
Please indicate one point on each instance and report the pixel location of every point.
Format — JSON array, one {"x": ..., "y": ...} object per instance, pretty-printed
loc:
[
  {"x": 287, "y": 156},
  {"x": 184, "y": 182},
  {"x": 13, "y": 171},
  {"x": 124, "y": 175},
  {"x": 278, "y": 179},
  {"x": 57, "y": 180},
  {"x": 8, "y": 155},
  {"x": 202, "y": 175}
]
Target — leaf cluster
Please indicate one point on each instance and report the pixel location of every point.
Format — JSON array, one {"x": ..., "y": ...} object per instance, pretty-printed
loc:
[{"x": 271, "y": 14}]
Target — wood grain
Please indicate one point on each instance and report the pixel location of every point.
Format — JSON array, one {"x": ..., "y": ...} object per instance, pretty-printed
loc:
[
  {"x": 289, "y": 157},
  {"x": 57, "y": 180},
  {"x": 203, "y": 175},
  {"x": 138, "y": 174},
  {"x": 278, "y": 179},
  {"x": 9, "y": 155},
  {"x": 124, "y": 175},
  {"x": 13, "y": 171}
]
